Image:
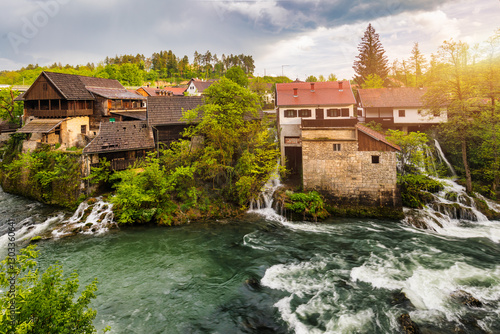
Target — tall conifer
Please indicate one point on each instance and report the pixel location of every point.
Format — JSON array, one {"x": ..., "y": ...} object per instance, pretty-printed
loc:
[{"x": 371, "y": 58}]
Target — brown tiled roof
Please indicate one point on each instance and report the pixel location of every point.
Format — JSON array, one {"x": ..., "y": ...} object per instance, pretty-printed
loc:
[
  {"x": 41, "y": 125},
  {"x": 20, "y": 97},
  {"x": 396, "y": 97},
  {"x": 376, "y": 135},
  {"x": 121, "y": 136},
  {"x": 78, "y": 87},
  {"x": 324, "y": 94},
  {"x": 165, "y": 110}
]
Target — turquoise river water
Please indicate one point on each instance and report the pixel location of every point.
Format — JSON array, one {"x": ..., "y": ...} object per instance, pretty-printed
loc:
[{"x": 262, "y": 274}]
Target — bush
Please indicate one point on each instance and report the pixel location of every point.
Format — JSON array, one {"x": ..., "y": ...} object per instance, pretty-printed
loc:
[
  {"x": 416, "y": 189},
  {"x": 308, "y": 204}
]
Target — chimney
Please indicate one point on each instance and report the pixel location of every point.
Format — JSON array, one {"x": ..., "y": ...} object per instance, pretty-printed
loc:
[
  {"x": 148, "y": 85},
  {"x": 340, "y": 86},
  {"x": 312, "y": 87},
  {"x": 295, "y": 92}
]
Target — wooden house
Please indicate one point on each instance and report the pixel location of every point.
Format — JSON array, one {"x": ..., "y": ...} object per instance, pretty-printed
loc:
[
  {"x": 77, "y": 104},
  {"x": 164, "y": 115},
  {"x": 318, "y": 103},
  {"x": 398, "y": 108},
  {"x": 121, "y": 143}
]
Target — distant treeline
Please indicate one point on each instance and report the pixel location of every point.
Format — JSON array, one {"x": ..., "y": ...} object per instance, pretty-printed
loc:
[{"x": 135, "y": 70}]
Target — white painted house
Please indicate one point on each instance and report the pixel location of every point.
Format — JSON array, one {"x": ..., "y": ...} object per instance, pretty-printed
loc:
[{"x": 398, "y": 108}]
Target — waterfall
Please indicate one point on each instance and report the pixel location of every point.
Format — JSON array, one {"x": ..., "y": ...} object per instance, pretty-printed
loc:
[
  {"x": 263, "y": 204},
  {"x": 442, "y": 158}
]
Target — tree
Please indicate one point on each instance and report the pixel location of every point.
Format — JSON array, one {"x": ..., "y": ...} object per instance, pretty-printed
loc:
[
  {"x": 321, "y": 78},
  {"x": 417, "y": 64},
  {"x": 371, "y": 58},
  {"x": 411, "y": 145},
  {"x": 332, "y": 77},
  {"x": 373, "y": 81},
  {"x": 44, "y": 303},
  {"x": 311, "y": 78},
  {"x": 237, "y": 75},
  {"x": 10, "y": 110},
  {"x": 239, "y": 153},
  {"x": 453, "y": 87}
]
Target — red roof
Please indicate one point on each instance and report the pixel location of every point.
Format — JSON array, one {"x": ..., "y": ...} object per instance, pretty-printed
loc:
[
  {"x": 324, "y": 94},
  {"x": 176, "y": 90},
  {"x": 376, "y": 135}
]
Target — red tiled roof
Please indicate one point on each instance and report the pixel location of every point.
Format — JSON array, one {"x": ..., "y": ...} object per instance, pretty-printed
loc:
[
  {"x": 176, "y": 90},
  {"x": 325, "y": 93},
  {"x": 396, "y": 97},
  {"x": 376, "y": 135}
]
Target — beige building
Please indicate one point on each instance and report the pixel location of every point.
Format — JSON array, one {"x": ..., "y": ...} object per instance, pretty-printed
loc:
[{"x": 350, "y": 165}]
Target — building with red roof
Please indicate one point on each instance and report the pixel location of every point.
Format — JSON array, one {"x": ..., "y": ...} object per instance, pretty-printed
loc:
[{"x": 330, "y": 102}]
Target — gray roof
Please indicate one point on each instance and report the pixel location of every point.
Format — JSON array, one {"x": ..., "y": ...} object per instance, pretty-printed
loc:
[
  {"x": 114, "y": 93},
  {"x": 41, "y": 125},
  {"x": 165, "y": 110},
  {"x": 121, "y": 136}
]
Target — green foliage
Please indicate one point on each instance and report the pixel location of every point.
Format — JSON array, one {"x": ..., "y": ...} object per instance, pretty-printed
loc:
[
  {"x": 101, "y": 173},
  {"x": 13, "y": 148},
  {"x": 44, "y": 302},
  {"x": 415, "y": 189},
  {"x": 411, "y": 145},
  {"x": 10, "y": 110},
  {"x": 237, "y": 157},
  {"x": 308, "y": 204},
  {"x": 237, "y": 75},
  {"x": 52, "y": 177},
  {"x": 375, "y": 126},
  {"x": 373, "y": 81},
  {"x": 311, "y": 78}
]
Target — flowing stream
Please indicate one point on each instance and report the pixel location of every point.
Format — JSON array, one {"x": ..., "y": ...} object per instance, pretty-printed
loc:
[{"x": 263, "y": 274}]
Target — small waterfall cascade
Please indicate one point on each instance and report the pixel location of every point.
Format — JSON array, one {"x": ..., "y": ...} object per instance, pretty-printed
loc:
[
  {"x": 263, "y": 204},
  {"x": 443, "y": 159},
  {"x": 452, "y": 211},
  {"x": 93, "y": 216}
]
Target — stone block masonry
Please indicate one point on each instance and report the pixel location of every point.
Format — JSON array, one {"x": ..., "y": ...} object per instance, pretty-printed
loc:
[{"x": 338, "y": 170}]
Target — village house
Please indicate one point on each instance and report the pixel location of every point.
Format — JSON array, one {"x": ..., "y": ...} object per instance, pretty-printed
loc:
[
  {"x": 350, "y": 164},
  {"x": 197, "y": 87},
  {"x": 167, "y": 91},
  {"x": 399, "y": 108},
  {"x": 67, "y": 109},
  {"x": 322, "y": 103},
  {"x": 164, "y": 116},
  {"x": 120, "y": 143}
]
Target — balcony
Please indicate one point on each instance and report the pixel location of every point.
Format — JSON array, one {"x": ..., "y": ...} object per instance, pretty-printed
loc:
[
  {"x": 59, "y": 113},
  {"x": 385, "y": 121}
]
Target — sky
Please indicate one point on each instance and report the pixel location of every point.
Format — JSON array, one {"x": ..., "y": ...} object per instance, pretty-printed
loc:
[{"x": 296, "y": 38}]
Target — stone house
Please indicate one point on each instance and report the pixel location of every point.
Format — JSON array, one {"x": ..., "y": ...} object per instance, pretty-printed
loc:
[
  {"x": 320, "y": 103},
  {"x": 69, "y": 108},
  {"x": 350, "y": 164},
  {"x": 398, "y": 108}
]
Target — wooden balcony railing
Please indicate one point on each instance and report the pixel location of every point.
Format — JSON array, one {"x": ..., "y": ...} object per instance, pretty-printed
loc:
[
  {"x": 59, "y": 113},
  {"x": 329, "y": 123}
]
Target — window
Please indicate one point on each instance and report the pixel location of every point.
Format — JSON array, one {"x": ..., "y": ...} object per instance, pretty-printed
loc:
[
  {"x": 333, "y": 112},
  {"x": 83, "y": 129},
  {"x": 304, "y": 113},
  {"x": 336, "y": 147},
  {"x": 290, "y": 113},
  {"x": 402, "y": 113},
  {"x": 45, "y": 86},
  {"x": 375, "y": 159},
  {"x": 345, "y": 112}
]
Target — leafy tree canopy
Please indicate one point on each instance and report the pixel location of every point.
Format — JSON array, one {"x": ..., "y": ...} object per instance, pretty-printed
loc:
[{"x": 237, "y": 75}]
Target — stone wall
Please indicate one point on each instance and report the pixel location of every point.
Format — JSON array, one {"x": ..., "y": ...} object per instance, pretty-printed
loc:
[{"x": 348, "y": 176}]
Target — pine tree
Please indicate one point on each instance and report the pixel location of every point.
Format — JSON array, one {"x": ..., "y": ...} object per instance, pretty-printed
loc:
[
  {"x": 371, "y": 58},
  {"x": 417, "y": 64}
]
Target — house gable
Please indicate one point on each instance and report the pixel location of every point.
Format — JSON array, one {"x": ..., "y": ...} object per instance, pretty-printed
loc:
[{"x": 42, "y": 89}]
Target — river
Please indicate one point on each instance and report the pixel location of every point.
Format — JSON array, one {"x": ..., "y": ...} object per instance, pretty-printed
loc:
[{"x": 262, "y": 274}]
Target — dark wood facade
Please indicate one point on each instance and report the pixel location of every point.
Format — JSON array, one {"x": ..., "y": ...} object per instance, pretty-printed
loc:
[{"x": 368, "y": 143}]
